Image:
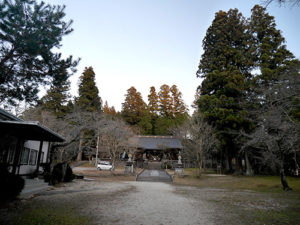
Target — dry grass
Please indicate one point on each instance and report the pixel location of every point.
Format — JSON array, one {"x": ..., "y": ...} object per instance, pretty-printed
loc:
[
  {"x": 88, "y": 165},
  {"x": 102, "y": 175},
  {"x": 255, "y": 183}
]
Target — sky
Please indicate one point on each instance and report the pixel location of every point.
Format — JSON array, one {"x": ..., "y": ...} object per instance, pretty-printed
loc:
[{"x": 144, "y": 43}]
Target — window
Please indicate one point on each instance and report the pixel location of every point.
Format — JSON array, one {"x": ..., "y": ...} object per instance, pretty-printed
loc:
[
  {"x": 11, "y": 154},
  {"x": 32, "y": 157},
  {"x": 25, "y": 156}
]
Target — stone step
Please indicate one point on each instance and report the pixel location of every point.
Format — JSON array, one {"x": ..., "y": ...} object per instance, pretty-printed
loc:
[
  {"x": 154, "y": 179},
  {"x": 154, "y": 175}
]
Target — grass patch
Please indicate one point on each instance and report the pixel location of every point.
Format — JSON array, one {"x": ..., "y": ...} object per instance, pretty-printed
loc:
[
  {"x": 40, "y": 215},
  {"x": 88, "y": 165},
  {"x": 284, "y": 217},
  {"x": 254, "y": 183}
]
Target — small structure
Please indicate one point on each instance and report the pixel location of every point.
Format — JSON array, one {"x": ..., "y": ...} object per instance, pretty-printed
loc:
[
  {"x": 179, "y": 169},
  {"x": 23, "y": 144},
  {"x": 129, "y": 165}
]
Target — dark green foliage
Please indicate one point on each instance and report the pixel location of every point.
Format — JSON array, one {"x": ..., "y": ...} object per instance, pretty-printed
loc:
[
  {"x": 162, "y": 125},
  {"x": 166, "y": 165},
  {"x": 88, "y": 99},
  {"x": 11, "y": 184},
  {"x": 69, "y": 176},
  {"x": 57, "y": 100},
  {"x": 164, "y": 110},
  {"x": 225, "y": 66},
  {"x": 29, "y": 33},
  {"x": 62, "y": 172},
  {"x": 47, "y": 173},
  {"x": 241, "y": 59},
  {"x": 271, "y": 56}
]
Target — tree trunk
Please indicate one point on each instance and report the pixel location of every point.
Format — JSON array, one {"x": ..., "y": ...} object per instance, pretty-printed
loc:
[
  {"x": 79, "y": 155},
  {"x": 284, "y": 182},
  {"x": 249, "y": 171},
  {"x": 199, "y": 162},
  {"x": 227, "y": 166},
  {"x": 238, "y": 165},
  {"x": 296, "y": 165}
]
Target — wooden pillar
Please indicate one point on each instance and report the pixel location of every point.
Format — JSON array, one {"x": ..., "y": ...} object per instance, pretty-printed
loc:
[
  {"x": 39, "y": 158},
  {"x": 48, "y": 153},
  {"x": 18, "y": 151}
]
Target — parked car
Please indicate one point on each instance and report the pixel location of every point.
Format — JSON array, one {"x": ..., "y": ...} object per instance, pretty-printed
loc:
[{"x": 105, "y": 165}]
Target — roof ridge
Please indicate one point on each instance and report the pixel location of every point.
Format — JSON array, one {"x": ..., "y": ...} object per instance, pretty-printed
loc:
[{"x": 9, "y": 115}]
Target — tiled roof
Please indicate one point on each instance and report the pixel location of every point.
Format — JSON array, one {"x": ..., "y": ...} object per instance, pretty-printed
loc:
[{"x": 156, "y": 142}]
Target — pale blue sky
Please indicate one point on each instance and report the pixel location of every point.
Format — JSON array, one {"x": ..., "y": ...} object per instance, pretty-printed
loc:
[{"x": 145, "y": 43}]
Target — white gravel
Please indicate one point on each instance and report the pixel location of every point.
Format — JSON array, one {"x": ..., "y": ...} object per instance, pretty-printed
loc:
[
  {"x": 147, "y": 203},
  {"x": 131, "y": 203},
  {"x": 156, "y": 203}
]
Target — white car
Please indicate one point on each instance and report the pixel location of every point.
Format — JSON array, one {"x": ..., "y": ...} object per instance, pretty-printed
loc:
[{"x": 105, "y": 165}]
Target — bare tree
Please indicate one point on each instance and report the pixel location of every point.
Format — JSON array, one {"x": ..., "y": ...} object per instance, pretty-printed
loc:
[
  {"x": 113, "y": 137},
  {"x": 282, "y": 2},
  {"x": 71, "y": 127},
  {"x": 275, "y": 141},
  {"x": 198, "y": 139}
]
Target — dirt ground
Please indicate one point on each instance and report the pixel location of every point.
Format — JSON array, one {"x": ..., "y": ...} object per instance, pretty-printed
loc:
[
  {"x": 116, "y": 198},
  {"x": 131, "y": 202}
]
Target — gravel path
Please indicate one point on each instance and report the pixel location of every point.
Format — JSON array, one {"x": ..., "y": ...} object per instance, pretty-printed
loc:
[
  {"x": 147, "y": 203},
  {"x": 156, "y": 203},
  {"x": 130, "y": 203}
]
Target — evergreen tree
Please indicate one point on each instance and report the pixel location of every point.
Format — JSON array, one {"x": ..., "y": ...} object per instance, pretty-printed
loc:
[
  {"x": 153, "y": 102},
  {"x": 180, "y": 111},
  {"x": 196, "y": 98},
  {"x": 272, "y": 57},
  {"x": 57, "y": 99},
  {"x": 179, "y": 107},
  {"x": 29, "y": 33},
  {"x": 88, "y": 99},
  {"x": 153, "y": 105},
  {"x": 135, "y": 111},
  {"x": 226, "y": 66},
  {"x": 109, "y": 110},
  {"x": 106, "y": 108},
  {"x": 165, "y": 101}
]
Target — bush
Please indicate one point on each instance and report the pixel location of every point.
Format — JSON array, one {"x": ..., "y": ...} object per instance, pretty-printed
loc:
[
  {"x": 11, "y": 184},
  {"x": 46, "y": 173},
  {"x": 58, "y": 175},
  {"x": 69, "y": 176},
  {"x": 167, "y": 165}
]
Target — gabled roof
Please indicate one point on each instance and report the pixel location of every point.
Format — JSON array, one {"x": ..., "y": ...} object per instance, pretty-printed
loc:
[{"x": 156, "y": 142}]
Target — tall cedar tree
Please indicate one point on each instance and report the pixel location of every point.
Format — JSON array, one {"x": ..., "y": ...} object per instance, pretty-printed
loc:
[
  {"x": 165, "y": 101},
  {"x": 109, "y": 110},
  {"x": 196, "y": 99},
  {"x": 88, "y": 99},
  {"x": 225, "y": 66},
  {"x": 180, "y": 111},
  {"x": 153, "y": 102},
  {"x": 29, "y": 33},
  {"x": 135, "y": 111},
  {"x": 179, "y": 107},
  {"x": 153, "y": 105},
  {"x": 272, "y": 57},
  {"x": 57, "y": 99}
]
